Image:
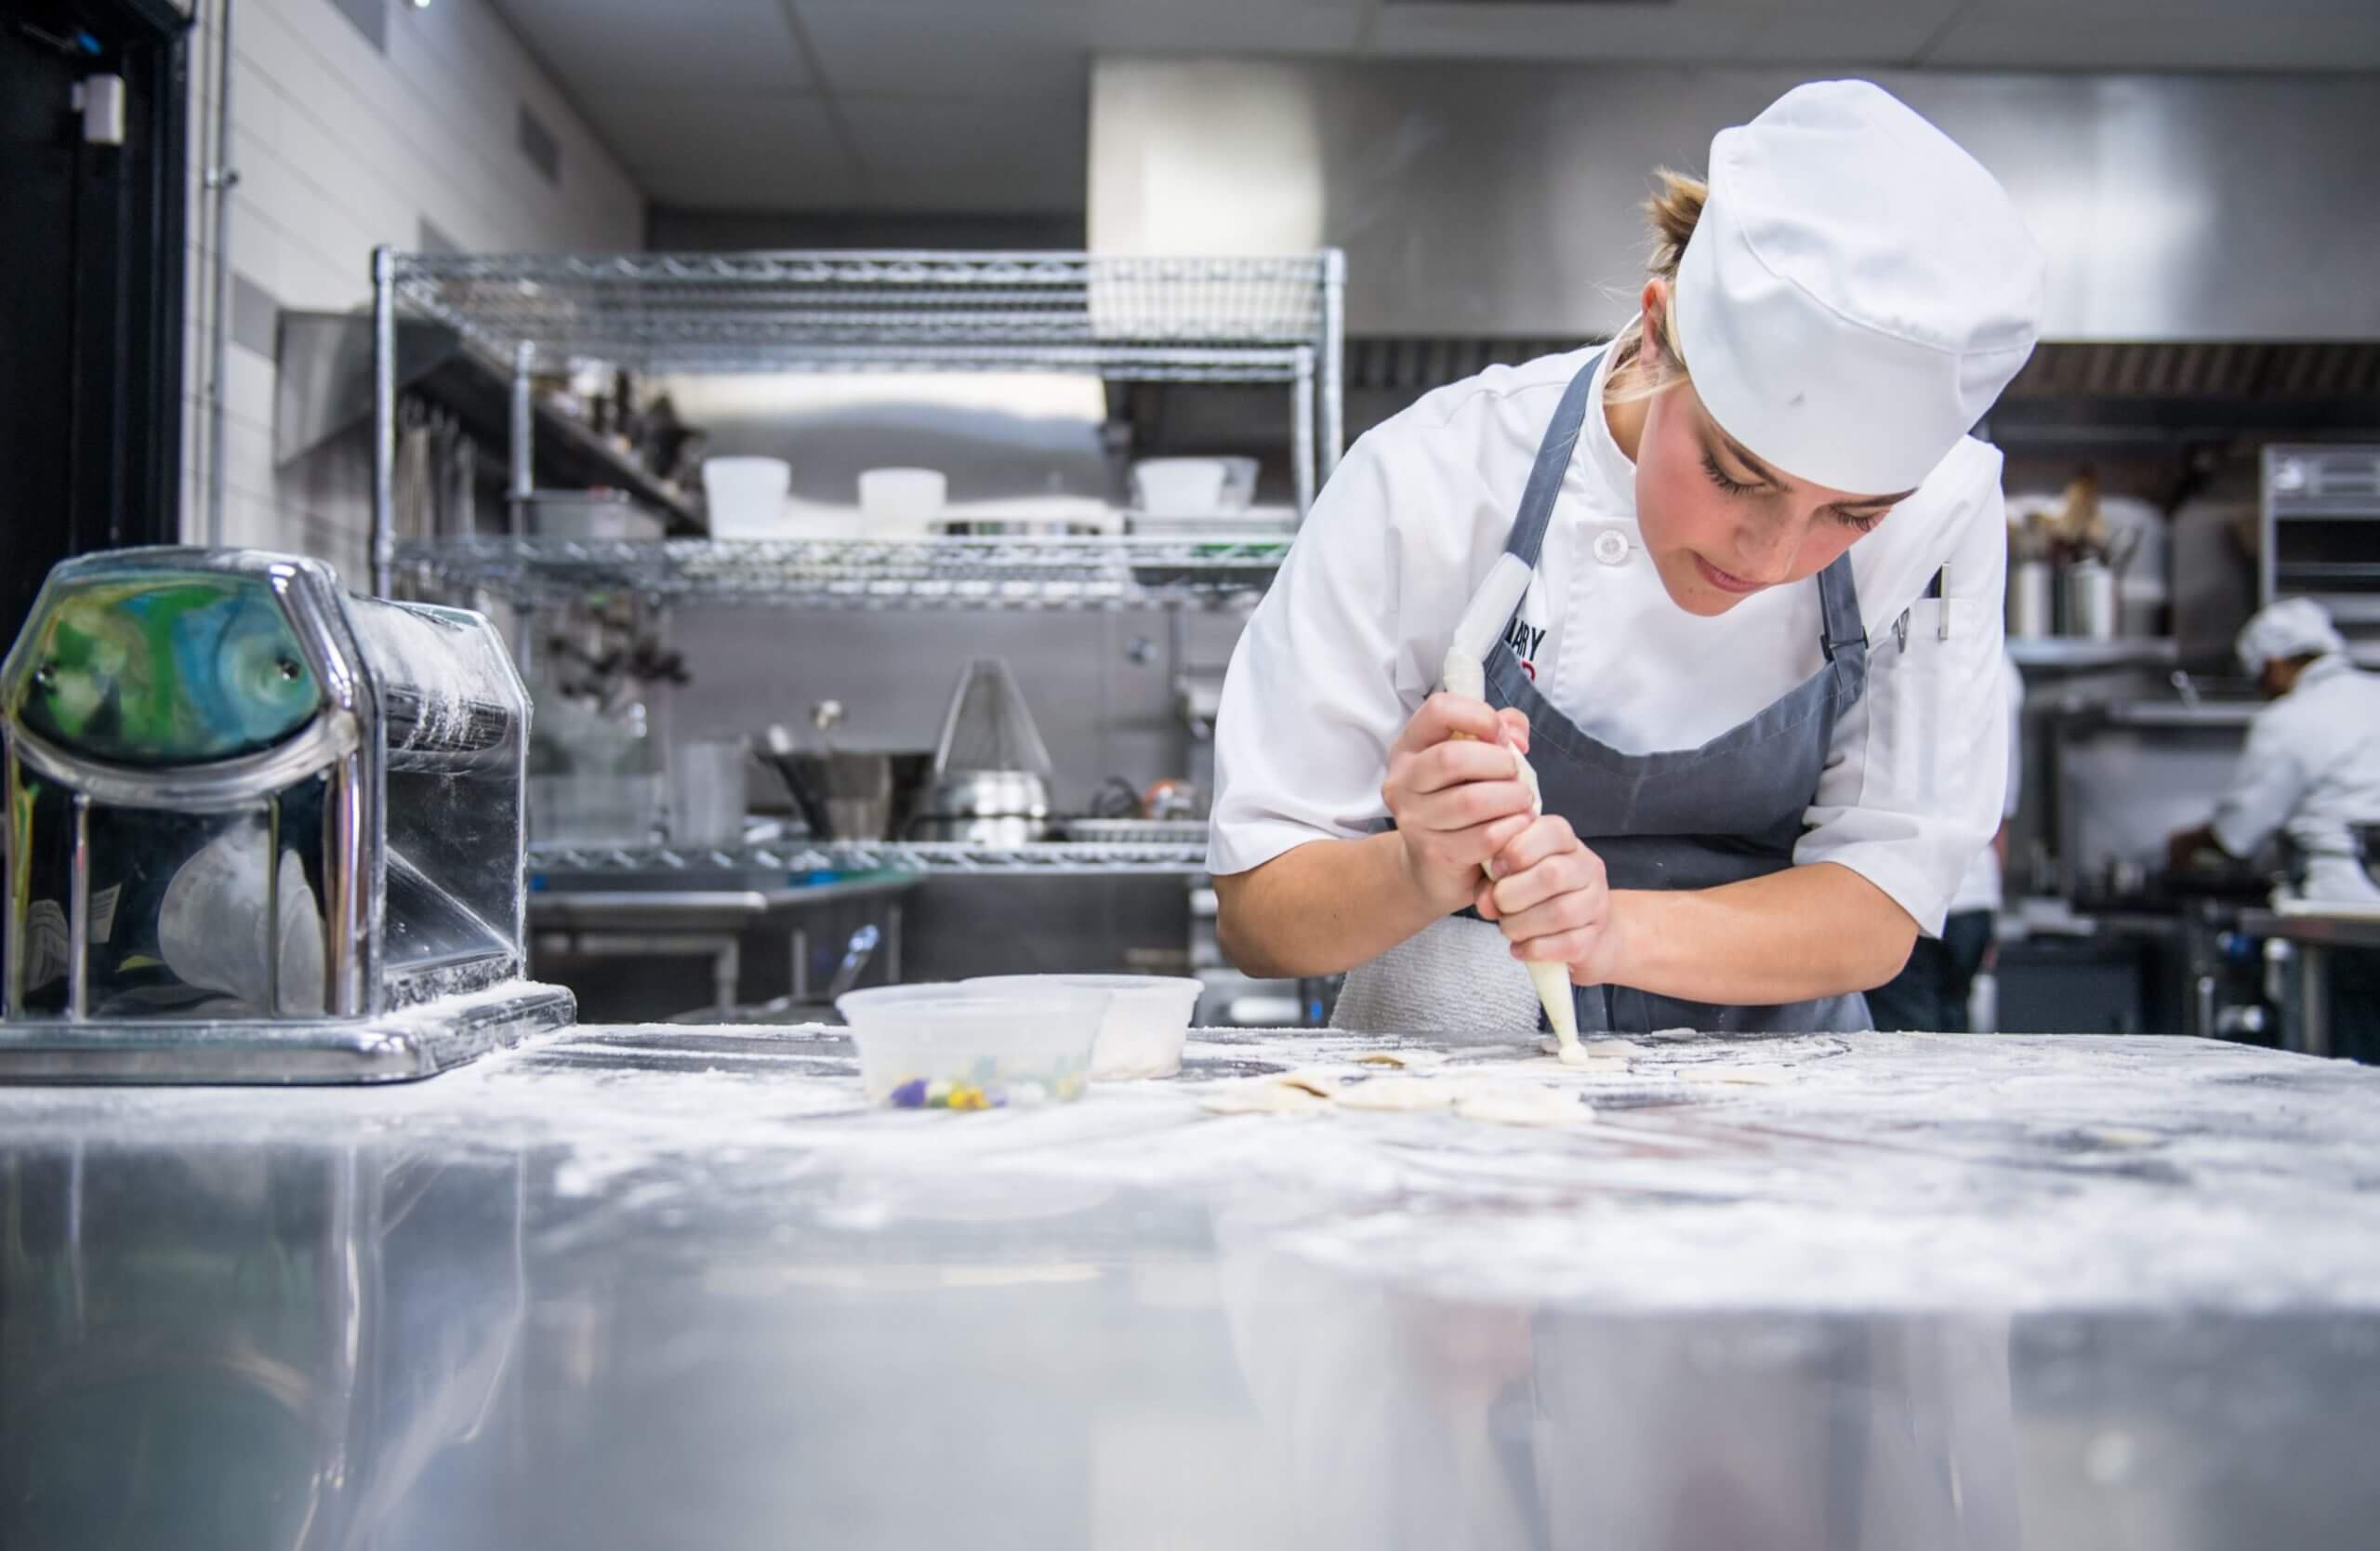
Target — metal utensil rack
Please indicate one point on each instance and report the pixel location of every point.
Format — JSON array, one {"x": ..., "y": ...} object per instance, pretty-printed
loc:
[
  {"x": 1203, "y": 320},
  {"x": 1050, "y": 574},
  {"x": 1213, "y": 320},
  {"x": 2311, "y": 493},
  {"x": 1042, "y": 859}
]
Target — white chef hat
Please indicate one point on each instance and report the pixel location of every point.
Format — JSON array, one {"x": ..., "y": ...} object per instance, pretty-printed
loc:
[
  {"x": 2292, "y": 627},
  {"x": 1858, "y": 289}
]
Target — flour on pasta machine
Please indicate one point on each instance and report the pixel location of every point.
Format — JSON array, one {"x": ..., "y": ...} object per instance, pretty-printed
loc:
[{"x": 258, "y": 830}]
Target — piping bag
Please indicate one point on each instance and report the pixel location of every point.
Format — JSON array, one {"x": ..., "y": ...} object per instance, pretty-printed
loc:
[{"x": 1465, "y": 673}]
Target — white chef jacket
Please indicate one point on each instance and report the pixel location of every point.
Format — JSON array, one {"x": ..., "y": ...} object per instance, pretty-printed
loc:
[
  {"x": 1980, "y": 887},
  {"x": 2311, "y": 767},
  {"x": 1352, "y": 636}
]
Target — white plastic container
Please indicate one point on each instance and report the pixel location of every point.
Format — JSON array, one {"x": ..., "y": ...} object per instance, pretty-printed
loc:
[
  {"x": 901, "y": 503},
  {"x": 707, "y": 796},
  {"x": 746, "y": 495},
  {"x": 1180, "y": 486},
  {"x": 968, "y": 1047},
  {"x": 1240, "y": 482},
  {"x": 1148, "y": 1016}
]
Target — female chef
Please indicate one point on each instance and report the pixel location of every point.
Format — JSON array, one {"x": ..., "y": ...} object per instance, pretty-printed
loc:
[{"x": 1756, "y": 665}]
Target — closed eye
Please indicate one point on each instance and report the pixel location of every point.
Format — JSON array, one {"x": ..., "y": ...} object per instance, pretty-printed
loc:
[
  {"x": 1862, "y": 521},
  {"x": 1720, "y": 477}
]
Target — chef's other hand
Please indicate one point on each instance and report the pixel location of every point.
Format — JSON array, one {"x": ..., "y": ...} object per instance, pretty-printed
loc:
[
  {"x": 1550, "y": 894},
  {"x": 2186, "y": 848},
  {"x": 1455, "y": 791}
]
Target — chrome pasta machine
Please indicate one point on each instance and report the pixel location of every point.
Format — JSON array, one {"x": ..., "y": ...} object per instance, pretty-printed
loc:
[{"x": 258, "y": 830}]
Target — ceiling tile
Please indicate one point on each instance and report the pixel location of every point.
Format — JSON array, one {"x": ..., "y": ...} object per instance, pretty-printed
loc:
[
  {"x": 943, "y": 154},
  {"x": 595, "y": 46},
  {"x": 979, "y": 105},
  {"x": 889, "y": 45},
  {"x": 732, "y": 151}
]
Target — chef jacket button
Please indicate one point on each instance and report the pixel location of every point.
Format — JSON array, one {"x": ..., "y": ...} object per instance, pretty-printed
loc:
[{"x": 1611, "y": 547}]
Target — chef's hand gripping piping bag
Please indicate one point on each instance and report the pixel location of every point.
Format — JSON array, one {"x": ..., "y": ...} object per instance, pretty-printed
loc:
[{"x": 1465, "y": 673}]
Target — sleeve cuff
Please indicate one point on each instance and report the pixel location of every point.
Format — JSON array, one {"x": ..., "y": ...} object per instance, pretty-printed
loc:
[
  {"x": 1245, "y": 847},
  {"x": 1909, "y": 887},
  {"x": 2237, "y": 835}
]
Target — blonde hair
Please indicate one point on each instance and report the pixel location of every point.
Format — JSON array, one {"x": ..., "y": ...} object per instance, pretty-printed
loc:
[{"x": 1673, "y": 211}]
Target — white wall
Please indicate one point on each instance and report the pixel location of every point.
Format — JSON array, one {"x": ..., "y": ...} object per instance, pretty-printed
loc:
[{"x": 341, "y": 145}]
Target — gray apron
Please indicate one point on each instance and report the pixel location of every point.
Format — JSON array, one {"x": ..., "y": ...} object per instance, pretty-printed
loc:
[
  {"x": 1689, "y": 818},
  {"x": 2330, "y": 874}
]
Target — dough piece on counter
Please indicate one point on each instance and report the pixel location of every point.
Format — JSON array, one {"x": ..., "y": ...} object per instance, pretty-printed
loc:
[
  {"x": 1751, "y": 1074},
  {"x": 1514, "y": 1104},
  {"x": 1265, "y": 1095},
  {"x": 1319, "y": 1082},
  {"x": 1397, "y": 1092},
  {"x": 1592, "y": 1052},
  {"x": 1404, "y": 1060}
]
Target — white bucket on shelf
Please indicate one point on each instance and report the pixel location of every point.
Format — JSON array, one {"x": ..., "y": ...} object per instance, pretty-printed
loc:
[
  {"x": 901, "y": 503},
  {"x": 707, "y": 800},
  {"x": 746, "y": 495},
  {"x": 1180, "y": 486}
]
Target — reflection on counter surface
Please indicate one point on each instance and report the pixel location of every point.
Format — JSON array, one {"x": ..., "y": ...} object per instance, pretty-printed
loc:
[{"x": 631, "y": 1289}]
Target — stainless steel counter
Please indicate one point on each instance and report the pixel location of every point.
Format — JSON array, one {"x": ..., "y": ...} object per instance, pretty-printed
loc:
[
  {"x": 2317, "y": 936},
  {"x": 2342, "y": 930},
  {"x": 660, "y": 1287},
  {"x": 647, "y": 915}
]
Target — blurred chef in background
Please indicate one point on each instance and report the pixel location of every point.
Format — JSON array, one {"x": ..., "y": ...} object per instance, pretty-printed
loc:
[
  {"x": 1934, "y": 990},
  {"x": 2311, "y": 772}
]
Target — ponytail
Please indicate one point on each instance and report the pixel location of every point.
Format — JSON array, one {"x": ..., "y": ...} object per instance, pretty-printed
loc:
[{"x": 1674, "y": 212}]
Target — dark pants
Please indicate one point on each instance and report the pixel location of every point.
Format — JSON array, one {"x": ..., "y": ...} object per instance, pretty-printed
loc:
[
  {"x": 2355, "y": 1004},
  {"x": 1930, "y": 993}
]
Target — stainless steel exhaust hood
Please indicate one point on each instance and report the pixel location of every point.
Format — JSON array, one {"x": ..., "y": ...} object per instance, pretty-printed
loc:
[{"x": 1489, "y": 202}]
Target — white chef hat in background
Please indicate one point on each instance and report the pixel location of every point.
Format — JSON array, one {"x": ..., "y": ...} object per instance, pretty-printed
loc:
[
  {"x": 1857, "y": 290},
  {"x": 2292, "y": 627}
]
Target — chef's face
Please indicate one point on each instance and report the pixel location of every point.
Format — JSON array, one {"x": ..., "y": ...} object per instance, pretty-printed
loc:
[
  {"x": 2279, "y": 676},
  {"x": 1720, "y": 523}
]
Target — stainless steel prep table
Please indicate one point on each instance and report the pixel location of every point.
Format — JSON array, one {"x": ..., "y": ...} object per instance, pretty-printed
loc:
[
  {"x": 646, "y": 1287},
  {"x": 708, "y": 921},
  {"x": 2316, "y": 935}
]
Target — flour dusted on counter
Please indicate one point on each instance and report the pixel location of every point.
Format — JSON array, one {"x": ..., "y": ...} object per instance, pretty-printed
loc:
[
  {"x": 1264, "y": 1096},
  {"x": 1517, "y": 1103},
  {"x": 1750, "y": 1075},
  {"x": 1896, "y": 1171}
]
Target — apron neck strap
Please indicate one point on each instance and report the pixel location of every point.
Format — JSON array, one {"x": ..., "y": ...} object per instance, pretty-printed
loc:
[
  {"x": 1553, "y": 465},
  {"x": 1839, "y": 607}
]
